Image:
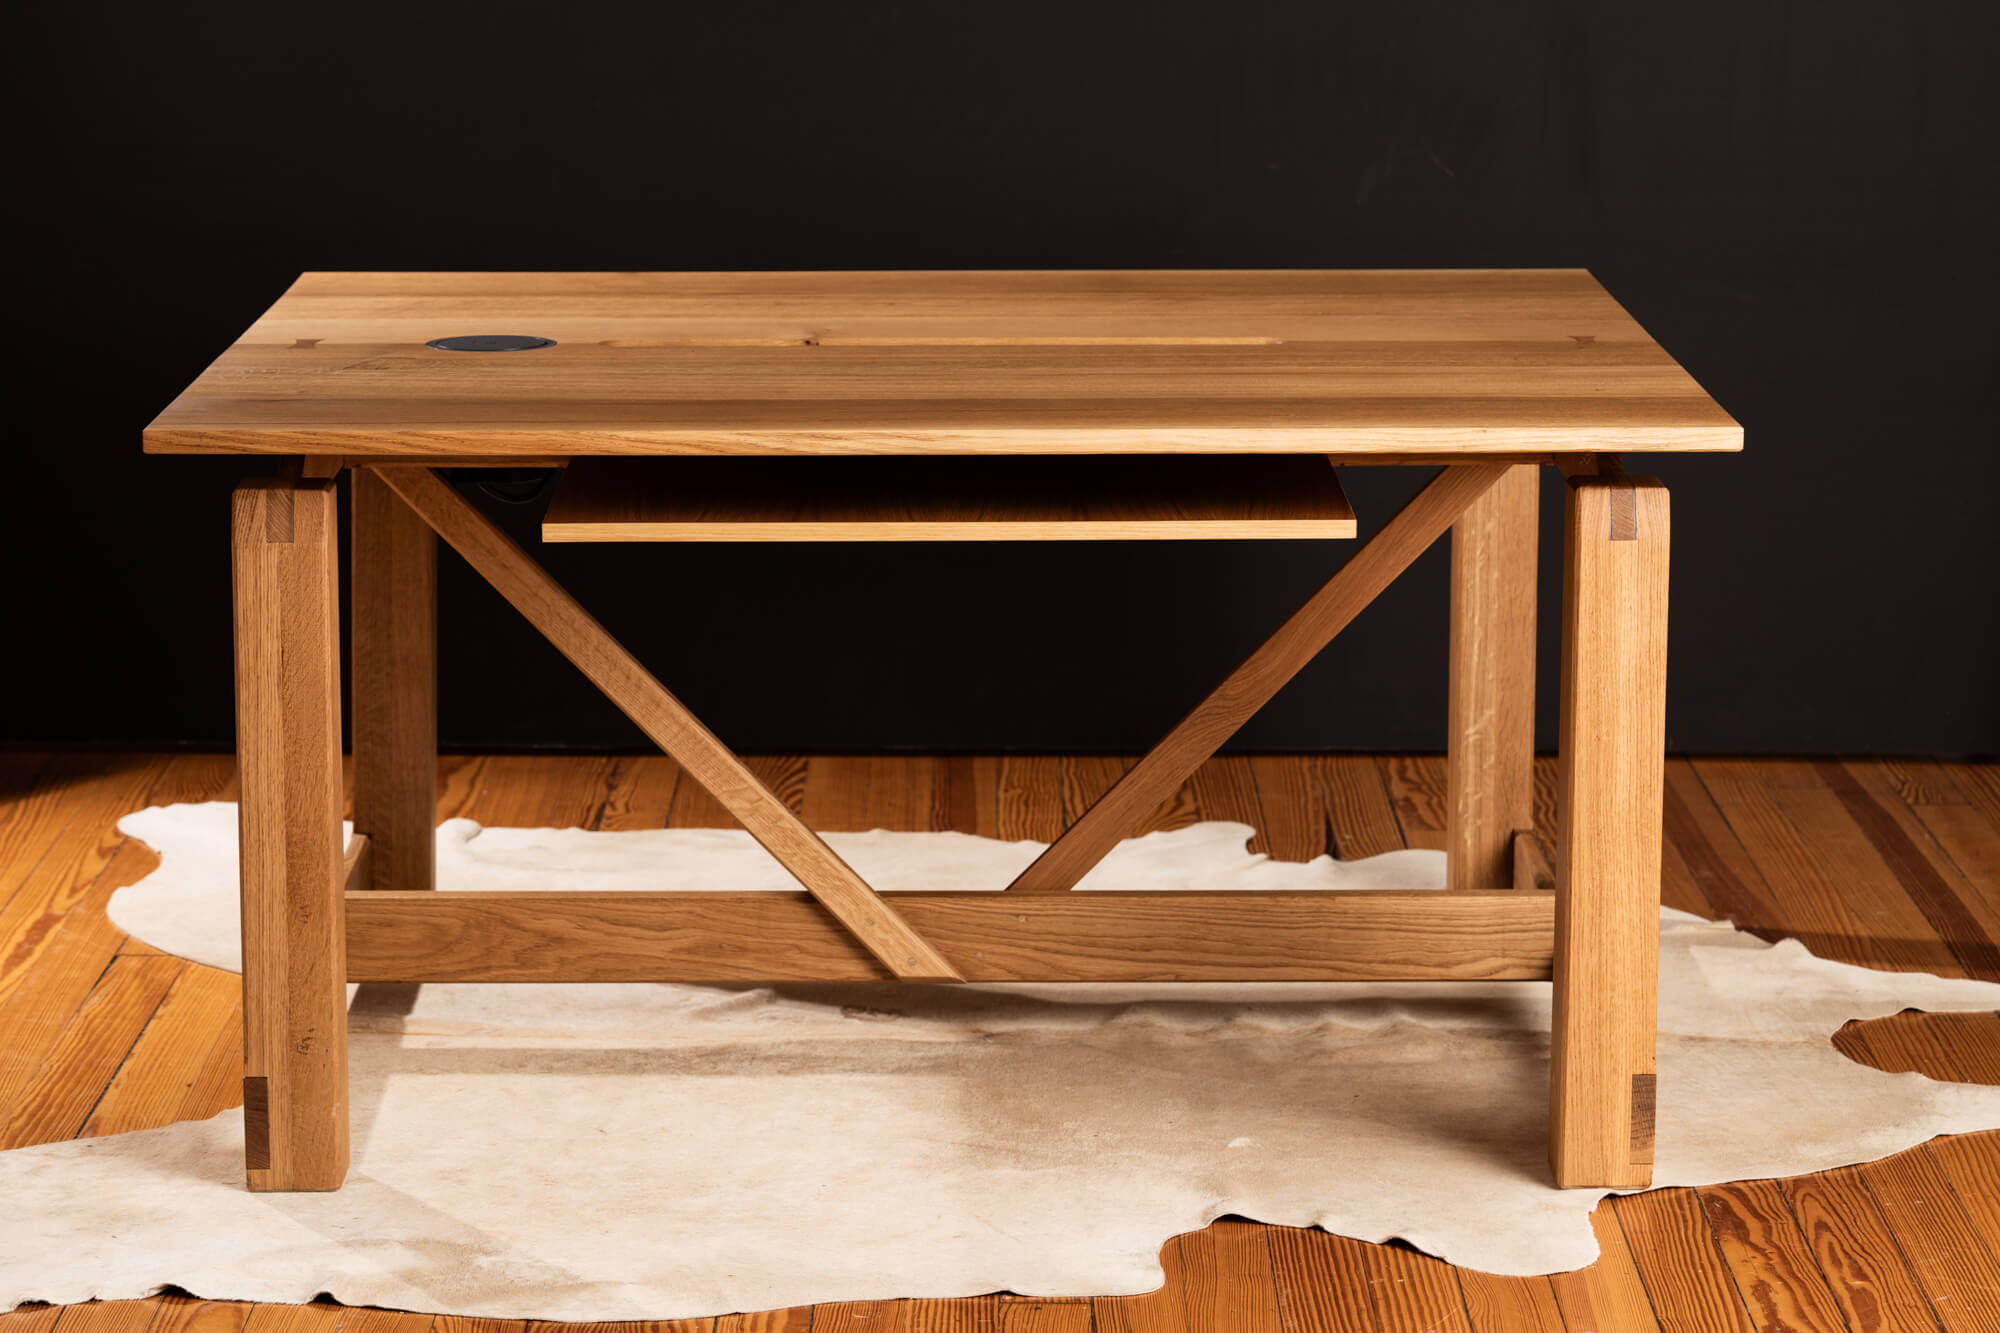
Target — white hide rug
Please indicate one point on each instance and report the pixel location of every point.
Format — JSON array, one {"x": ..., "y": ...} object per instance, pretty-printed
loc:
[{"x": 626, "y": 1152}]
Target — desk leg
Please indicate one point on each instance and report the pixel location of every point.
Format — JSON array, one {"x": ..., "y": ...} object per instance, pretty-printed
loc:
[
  {"x": 394, "y": 710},
  {"x": 1608, "y": 844},
  {"x": 1490, "y": 766},
  {"x": 288, "y": 747}
]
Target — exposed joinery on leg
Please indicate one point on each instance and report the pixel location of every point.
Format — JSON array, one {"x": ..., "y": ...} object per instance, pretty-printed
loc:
[
  {"x": 1608, "y": 845},
  {"x": 1590, "y": 465},
  {"x": 1490, "y": 763},
  {"x": 292, "y": 863},
  {"x": 626, "y": 683},
  {"x": 357, "y": 864},
  {"x": 1533, "y": 868},
  {"x": 1232, "y": 703}
]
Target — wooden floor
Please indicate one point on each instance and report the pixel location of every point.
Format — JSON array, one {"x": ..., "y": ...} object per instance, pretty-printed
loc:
[{"x": 1892, "y": 865}]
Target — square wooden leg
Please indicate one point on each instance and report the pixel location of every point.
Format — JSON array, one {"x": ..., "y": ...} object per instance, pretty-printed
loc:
[
  {"x": 288, "y": 746},
  {"x": 1489, "y": 769},
  {"x": 394, "y": 710},
  {"x": 1608, "y": 845}
]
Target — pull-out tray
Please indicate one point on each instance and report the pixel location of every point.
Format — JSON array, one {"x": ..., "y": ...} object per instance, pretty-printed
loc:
[{"x": 876, "y": 498}]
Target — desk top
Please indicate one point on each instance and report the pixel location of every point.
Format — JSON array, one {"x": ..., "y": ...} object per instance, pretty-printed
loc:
[{"x": 1345, "y": 362}]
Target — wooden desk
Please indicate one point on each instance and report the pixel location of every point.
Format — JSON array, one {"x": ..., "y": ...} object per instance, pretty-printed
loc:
[{"x": 1488, "y": 374}]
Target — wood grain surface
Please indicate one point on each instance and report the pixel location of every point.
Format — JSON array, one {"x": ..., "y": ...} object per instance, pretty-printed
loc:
[
  {"x": 1407, "y": 362},
  {"x": 394, "y": 688},
  {"x": 1489, "y": 773},
  {"x": 722, "y": 936},
  {"x": 294, "y": 874},
  {"x": 1168, "y": 497},
  {"x": 1613, "y": 748}
]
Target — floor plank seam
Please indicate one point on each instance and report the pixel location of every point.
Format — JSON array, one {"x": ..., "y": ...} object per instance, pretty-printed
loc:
[
  {"x": 1902, "y": 1254},
  {"x": 152, "y": 1014},
  {"x": 1986, "y": 1242},
  {"x": 1736, "y": 836},
  {"x": 1805, "y": 1241},
  {"x": 1464, "y": 1303},
  {"x": 1946, "y": 912},
  {"x": 1722, "y": 1257},
  {"x": 1645, "y": 1288}
]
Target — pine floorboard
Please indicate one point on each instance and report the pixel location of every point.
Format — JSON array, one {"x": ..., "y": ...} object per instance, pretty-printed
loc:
[{"x": 1891, "y": 864}]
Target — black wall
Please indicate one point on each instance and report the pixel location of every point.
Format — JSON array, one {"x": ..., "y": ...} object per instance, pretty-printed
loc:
[{"x": 1797, "y": 200}]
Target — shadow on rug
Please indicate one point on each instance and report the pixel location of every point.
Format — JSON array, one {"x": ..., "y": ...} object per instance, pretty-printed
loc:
[{"x": 624, "y": 1152}]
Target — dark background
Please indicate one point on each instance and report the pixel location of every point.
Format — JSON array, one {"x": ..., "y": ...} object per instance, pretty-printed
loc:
[{"x": 1798, "y": 200}]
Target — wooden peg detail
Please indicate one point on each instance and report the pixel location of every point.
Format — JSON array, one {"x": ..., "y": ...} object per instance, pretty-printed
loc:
[
  {"x": 257, "y": 1123},
  {"x": 1645, "y": 1090}
]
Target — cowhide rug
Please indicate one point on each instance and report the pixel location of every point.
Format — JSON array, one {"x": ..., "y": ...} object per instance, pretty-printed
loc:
[{"x": 619, "y": 1152}]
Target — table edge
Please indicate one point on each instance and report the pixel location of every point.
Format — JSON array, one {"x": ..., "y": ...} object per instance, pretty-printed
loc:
[{"x": 1442, "y": 441}]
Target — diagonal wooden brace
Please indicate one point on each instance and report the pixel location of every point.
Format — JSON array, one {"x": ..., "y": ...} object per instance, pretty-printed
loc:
[
  {"x": 626, "y": 683},
  {"x": 1232, "y": 703}
]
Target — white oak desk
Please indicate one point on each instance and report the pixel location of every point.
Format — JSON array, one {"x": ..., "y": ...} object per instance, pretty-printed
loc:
[{"x": 1155, "y": 405}]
